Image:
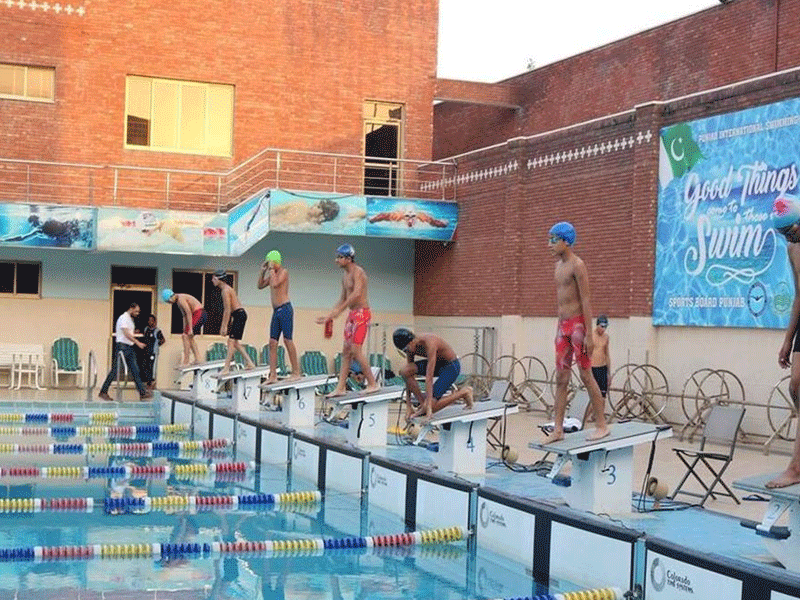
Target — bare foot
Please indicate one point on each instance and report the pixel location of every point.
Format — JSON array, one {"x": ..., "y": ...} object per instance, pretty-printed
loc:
[
  {"x": 468, "y": 399},
  {"x": 271, "y": 380},
  {"x": 335, "y": 393},
  {"x": 294, "y": 377},
  {"x": 371, "y": 389},
  {"x": 224, "y": 371},
  {"x": 555, "y": 436},
  {"x": 598, "y": 434},
  {"x": 785, "y": 479}
]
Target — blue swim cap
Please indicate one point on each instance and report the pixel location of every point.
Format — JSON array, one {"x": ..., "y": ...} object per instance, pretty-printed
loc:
[
  {"x": 346, "y": 250},
  {"x": 166, "y": 294},
  {"x": 787, "y": 213},
  {"x": 565, "y": 231}
]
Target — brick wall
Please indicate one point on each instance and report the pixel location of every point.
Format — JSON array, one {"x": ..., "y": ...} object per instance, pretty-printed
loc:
[
  {"x": 302, "y": 69},
  {"x": 602, "y": 176},
  {"x": 716, "y": 47}
]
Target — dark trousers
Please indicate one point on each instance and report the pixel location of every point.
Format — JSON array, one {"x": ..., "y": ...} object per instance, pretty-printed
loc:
[{"x": 129, "y": 352}]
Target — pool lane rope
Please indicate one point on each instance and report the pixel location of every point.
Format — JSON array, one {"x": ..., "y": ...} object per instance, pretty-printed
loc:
[
  {"x": 305, "y": 547},
  {"x": 42, "y": 418},
  {"x": 143, "y": 449},
  {"x": 114, "y": 431},
  {"x": 126, "y": 505},
  {"x": 190, "y": 471},
  {"x": 594, "y": 594}
]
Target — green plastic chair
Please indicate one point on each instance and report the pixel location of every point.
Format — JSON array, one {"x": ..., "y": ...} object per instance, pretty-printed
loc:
[
  {"x": 67, "y": 361},
  {"x": 281, "y": 366},
  {"x": 313, "y": 362},
  {"x": 252, "y": 352},
  {"x": 216, "y": 351}
]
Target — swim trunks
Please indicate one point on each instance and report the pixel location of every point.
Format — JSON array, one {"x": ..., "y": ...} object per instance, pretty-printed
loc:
[
  {"x": 236, "y": 324},
  {"x": 601, "y": 377},
  {"x": 445, "y": 372},
  {"x": 570, "y": 334},
  {"x": 282, "y": 322},
  {"x": 355, "y": 330},
  {"x": 198, "y": 320}
]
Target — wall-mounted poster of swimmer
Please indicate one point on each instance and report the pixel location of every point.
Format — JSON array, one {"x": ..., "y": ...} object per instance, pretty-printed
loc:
[
  {"x": 248, "y": 223},
  {"x": 316, "y": 212},
  {"x": 42, "y": 225},
  {"x": 411, "y": 218},
  {"x": 160, "y": 231}
]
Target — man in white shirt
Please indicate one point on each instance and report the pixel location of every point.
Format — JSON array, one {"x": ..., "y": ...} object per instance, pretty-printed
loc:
[{"x": 125, "y": 343}]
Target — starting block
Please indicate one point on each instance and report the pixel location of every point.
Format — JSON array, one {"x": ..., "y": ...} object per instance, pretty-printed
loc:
[
  {"x": 369, "y": 415},
  {"x": 602, "y": 470},
  {"x": 782, "y": 542},
  {"x": 297, "y": 406},
  {"x": 204, "y": 385},
  {"x": 462, "y": 435},
  {"x": 246, "y": 395}
]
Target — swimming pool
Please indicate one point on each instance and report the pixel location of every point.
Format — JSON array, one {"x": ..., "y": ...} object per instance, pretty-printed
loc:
[{"x": 447, "y": 570}]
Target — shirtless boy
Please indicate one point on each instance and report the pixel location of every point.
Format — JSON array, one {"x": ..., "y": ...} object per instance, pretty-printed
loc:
[
  {"x": 574, "y": 322},
  {"x": 277, "y": 278},
  {"x": 194, "y": 317},
  {"x": 354, "y": 297},
  {"x": 787, "y": 223},
  {"x": 601, "y": 359},
  {"x": 440, "y": 361},
  {"x": 234, "y": 318}
]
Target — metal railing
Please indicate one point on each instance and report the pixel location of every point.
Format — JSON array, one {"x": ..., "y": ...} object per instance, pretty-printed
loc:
[{"x": 44, "y": 182}]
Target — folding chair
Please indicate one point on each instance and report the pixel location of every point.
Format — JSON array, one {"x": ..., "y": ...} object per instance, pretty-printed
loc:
[{"x": 721, "y": 429}]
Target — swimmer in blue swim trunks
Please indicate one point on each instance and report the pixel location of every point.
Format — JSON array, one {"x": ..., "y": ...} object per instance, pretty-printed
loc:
[
  {"x": 277, "y": 278},
  {"x": 440, "y": 361}
]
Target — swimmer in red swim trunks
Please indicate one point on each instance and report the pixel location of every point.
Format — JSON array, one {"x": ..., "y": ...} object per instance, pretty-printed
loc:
[
  {"x": 194, "y": 317},
  {"x": 354, "y": 297},
  {"x": 574, "y": 331}
]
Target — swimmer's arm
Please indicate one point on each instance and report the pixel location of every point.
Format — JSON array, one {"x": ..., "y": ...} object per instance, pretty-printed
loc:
[
  {"x": 382, "y": 216},
  {"x": 432, "y": 352},
  {"x": 226, "y": 313},
  {"x": 183, "y": 304},
  {"x": 582, "y": 282},
  {"x": 340, "y": 305},
  {"x": 264, "y": 276},
  {"x": 426, "y": 218},
  {"x": 795, "y": 314}
]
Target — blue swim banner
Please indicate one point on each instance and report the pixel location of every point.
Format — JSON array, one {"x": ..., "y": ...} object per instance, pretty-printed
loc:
[{"x": 719, "y": 262}]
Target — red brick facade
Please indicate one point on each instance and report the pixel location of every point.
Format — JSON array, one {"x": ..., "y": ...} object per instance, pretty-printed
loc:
[
  {"x": 602, "y": 175},
  {"x": 301, "y": 71}
]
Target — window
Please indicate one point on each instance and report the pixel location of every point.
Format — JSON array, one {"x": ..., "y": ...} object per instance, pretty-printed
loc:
[
  {"x": 20, "y": 279},
  {"x": 382, "y": 135},
  {"x": 179, "y": 116},
  {"x": 27, "y": 83},
  {"x": 198, "y": 284}
]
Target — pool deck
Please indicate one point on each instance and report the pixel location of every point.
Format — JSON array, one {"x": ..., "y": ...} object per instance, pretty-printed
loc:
[{"x": 715, "y": 528}]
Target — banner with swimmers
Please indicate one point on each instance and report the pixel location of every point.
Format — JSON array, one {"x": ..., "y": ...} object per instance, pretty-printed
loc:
[
  {"x": 162, "y": 231},
  {"x": 342, "y": 214},
  {"x": 719, "y": 262},
  {"x": 47, "y": 226}
]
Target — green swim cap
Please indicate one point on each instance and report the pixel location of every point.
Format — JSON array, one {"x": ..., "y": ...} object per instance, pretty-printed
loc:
[{"x": 274, "y": 256}]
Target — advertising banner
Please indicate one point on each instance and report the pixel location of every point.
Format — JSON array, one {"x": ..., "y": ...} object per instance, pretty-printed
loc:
[
  {"x": 47, "y": 226},
  {"x": 719, "y": 262},
  {"x": 411, "y": 218},
  {"x": 671, "y": 579},
  {"x": 162, "y": 231},
  {"x": 248, "y": 223}
]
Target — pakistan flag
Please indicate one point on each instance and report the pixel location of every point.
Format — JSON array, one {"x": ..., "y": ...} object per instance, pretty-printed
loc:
[{"x": 678, "y": 153}]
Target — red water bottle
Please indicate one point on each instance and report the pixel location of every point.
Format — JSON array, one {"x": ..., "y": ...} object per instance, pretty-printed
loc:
[{"x": 328, "y": 328}]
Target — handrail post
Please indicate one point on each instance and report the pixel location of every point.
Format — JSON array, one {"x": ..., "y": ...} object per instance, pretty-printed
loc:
[
  {"x": 167, "y": 190},
  {"x": 28, "y": 183},
  {"x": 116, "y": 184},
  {"x": 91, "y": 375},
  {"x": 219, "y": 193},
  {"x": 335, "y": 171},
  {"x": 278, "y": 169}
]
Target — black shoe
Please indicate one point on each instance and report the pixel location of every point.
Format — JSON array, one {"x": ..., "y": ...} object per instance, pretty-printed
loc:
[
  {"x": 146, "y": 396},
  {"x": 105, "y": 396}
]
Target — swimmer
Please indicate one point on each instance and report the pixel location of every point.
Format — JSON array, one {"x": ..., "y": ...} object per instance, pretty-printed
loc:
[
  {"x": 301, "y": 213},
  {"x": 194, "y": 317},
  {"x": 234, "y": 319},
  {"x": 787, "y": 223},
  {"x": 601, "y": 359},
  {"x": 353, "y": 297},
  {"x": 574, "y": 323},
  {"x": 440, "y": 361},
  {"x": 274, "y": 275},
  {"x": 410, "y": 216}
]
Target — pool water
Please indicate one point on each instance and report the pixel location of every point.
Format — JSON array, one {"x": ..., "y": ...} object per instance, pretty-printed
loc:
[{"x": 443, "y": 570}]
